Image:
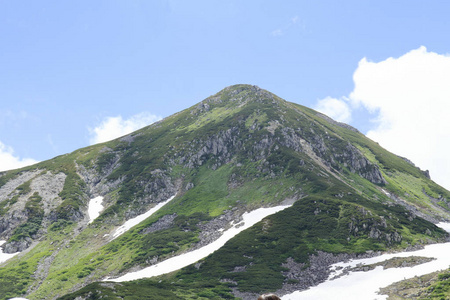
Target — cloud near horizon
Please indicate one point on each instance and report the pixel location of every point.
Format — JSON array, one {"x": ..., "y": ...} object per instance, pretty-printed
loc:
[
  {"x": 410, "y": 98},
  {"x": 337, "y": 109},
  {"x": 8, "y": 161},
  {"x": 114, "y": 127}
]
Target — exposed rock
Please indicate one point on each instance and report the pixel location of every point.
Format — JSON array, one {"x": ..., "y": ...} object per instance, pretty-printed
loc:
[
  {"x": 17, "y": 246},
  {"x": 221, "y": 147},
  {"x": 164, "y": 222},
  {"x": 14, "y": 183},
  {"x": 317, "y": 272},
  {"x": 358, "y": 163},
  {"x": 212, "y": 230},
  {"x": 49, "y": 186},
  {"x": 96, "y": 182}
]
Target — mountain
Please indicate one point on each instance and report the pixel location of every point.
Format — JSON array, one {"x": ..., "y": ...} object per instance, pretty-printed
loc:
[{"x": 201, "y": 171}]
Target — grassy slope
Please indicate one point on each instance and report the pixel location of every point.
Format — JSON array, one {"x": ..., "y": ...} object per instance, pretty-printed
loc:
[
  {"x": 404, "y": 179},
  {"x": 430, "y": 286}
]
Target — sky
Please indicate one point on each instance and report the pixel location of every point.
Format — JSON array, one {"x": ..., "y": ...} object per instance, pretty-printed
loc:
[{"x": 75, "y": 73}]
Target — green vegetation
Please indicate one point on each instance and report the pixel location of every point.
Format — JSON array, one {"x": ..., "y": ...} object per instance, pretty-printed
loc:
[
  {"x": 434, "y": 286},
  {"x": 35, "y": 215},
  {"x": 147, "y": 289},
  {"x": 312, "y": 224},
  {"x": 15, "y": 279},
  {"x": 21, "y": 190},
  {"x": 72, "y": 196},
  {"x": 441, "y": 288},
  {"x": 238, "y": 150}
]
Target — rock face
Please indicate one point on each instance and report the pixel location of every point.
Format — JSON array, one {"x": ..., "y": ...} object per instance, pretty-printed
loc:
[
  {"x": 17, "y": 246},
  {"x": 163, "y": 223},
  {"x": 317, "y": 272},
  {"x": 48, "y": 186},
  {"x": 18, "y": 194}
]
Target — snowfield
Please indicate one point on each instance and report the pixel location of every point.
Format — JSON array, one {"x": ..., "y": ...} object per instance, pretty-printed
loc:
[
  {"x": 95, "y": 208},
  {"x": 138, "y": 219},
  {"x": 183, "y": 260},
  {"x": 365, "y": 285},
  {"x": 5, "y": 256}
]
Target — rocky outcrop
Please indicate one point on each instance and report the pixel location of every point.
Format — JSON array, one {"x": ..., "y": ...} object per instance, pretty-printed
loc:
[
  {"x": 47, "y": 186},
  {"x": 96, "y": 177},
  {"x": 8, "y": 188},
  {"x": 300, "y": 276},
  {"x": 375, "y": 227},
  {"x": 17, "y": 246},
  {"x": 358, "y": 163},
  {"x": 164, "y": 222},
  {"x": 221, "y": 147},
  {"x": 213, "y": 229},
  {"x": 329, "y": 153}
]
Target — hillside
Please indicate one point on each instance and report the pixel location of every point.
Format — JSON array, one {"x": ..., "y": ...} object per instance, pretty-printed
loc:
[{"x": 239, "y": 150}]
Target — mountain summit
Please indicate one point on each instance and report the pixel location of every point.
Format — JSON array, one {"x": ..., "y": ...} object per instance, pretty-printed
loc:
[{"x": 185, "y": 182}]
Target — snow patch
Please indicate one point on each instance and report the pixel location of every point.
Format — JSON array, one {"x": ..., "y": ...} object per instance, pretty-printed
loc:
[
  {"x": 95, "y": 208},
  {"x": 5, "y": 256},
  {"x": 138, "y": 219},
  {"x": 365, "y": 285},
  {"x": 445, "y": 226},
  {"x": 183, "y": 260}
]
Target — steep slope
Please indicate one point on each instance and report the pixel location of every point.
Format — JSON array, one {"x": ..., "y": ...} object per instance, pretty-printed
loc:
[{"x": 236, "y": 151}]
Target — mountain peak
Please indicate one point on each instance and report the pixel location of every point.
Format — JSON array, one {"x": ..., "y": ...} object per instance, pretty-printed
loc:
[
  {"x": 242, "y": 93},
  {"x": 235, "y": 97},
  {"x": 239, "y": 150}
]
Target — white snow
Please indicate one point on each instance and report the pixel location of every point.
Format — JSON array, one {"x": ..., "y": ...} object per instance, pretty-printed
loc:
[
  {"x": 5, "y": 256},
  {"x": 95, "y": 208},
  {"x": 445, "y": 226},
  {"x": 365, "y": 285},
  {"x": 138, "y": 219},
  {"x": 183, "y": 260}
]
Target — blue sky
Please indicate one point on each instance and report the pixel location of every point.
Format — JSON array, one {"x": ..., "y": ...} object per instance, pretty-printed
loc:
[{"x": 75, "y": 72}]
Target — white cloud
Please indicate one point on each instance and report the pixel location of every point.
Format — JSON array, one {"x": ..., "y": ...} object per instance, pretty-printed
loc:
[
  {"x": 114, "y": 127},
  {"x": 336, "y": 109},
  {"x": 410, "y": 97},
  {"x": 8, "y": 161}
]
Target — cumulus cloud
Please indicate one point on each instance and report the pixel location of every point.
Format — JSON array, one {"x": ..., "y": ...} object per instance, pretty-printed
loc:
[
  {"x": 337, "y": 109},
  {"x": 410, "y": 99},
  {"x": 114, "y": 127},
  {"x": 9, "y": 161},
  {"x": 411, "y": 95}
]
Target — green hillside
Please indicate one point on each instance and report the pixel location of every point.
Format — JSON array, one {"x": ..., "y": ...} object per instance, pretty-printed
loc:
[{"x": 238, "y": 150}]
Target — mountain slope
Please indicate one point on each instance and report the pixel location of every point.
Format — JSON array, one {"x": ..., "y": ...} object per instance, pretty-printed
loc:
[{"x": 236, "y": 151}]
